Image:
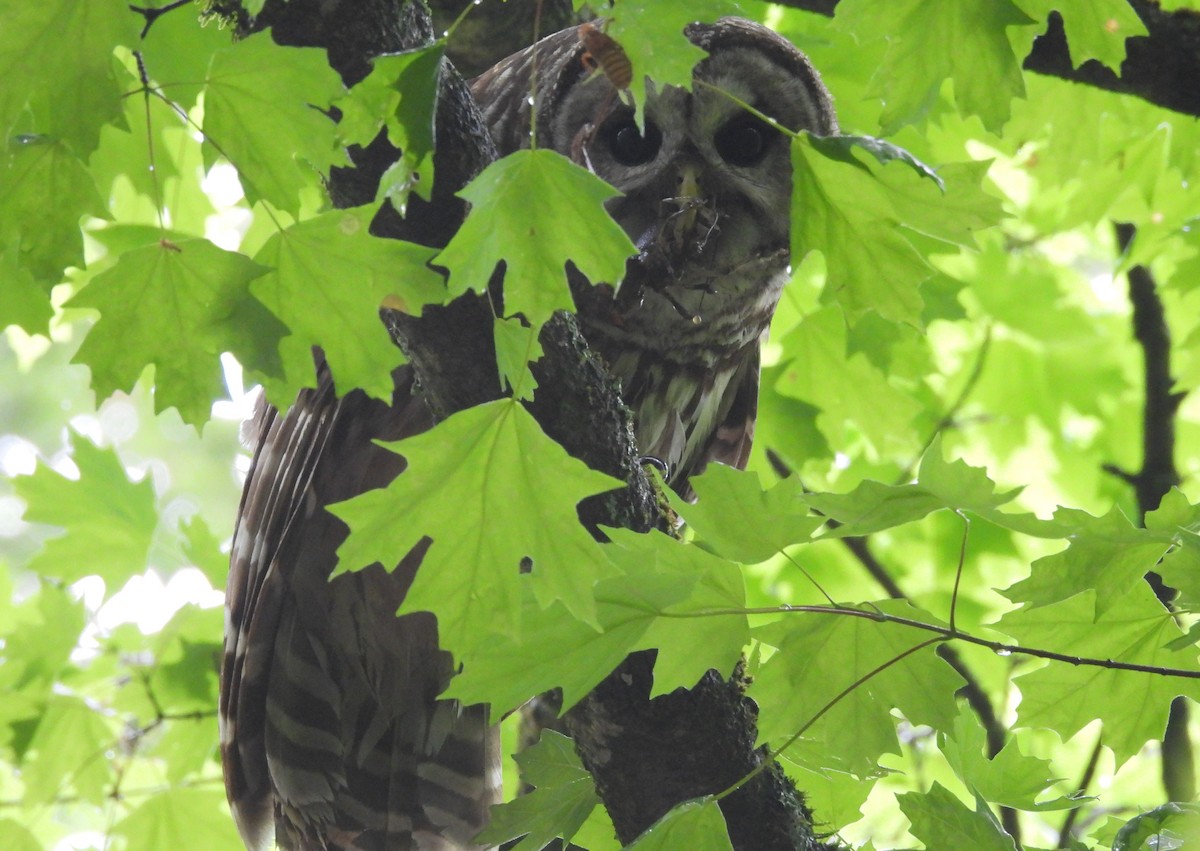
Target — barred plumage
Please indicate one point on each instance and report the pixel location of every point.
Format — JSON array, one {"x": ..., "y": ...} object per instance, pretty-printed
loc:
[{"x": 331, "y": 733}]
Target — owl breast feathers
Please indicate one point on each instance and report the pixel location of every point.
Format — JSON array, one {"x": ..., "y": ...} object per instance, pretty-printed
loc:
[{"x": 332, "y": 733}]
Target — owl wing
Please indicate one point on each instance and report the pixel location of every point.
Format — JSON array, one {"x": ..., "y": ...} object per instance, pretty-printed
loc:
[
  {"x": 734, "y": 435},
  {"x": 331, "y": 733},
  {"x": 502, "y": 91}
]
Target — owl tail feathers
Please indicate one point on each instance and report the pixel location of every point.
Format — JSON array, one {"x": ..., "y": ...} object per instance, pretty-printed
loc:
[
  {"x": 428, "y": 792},
  {"x": 458, "y": 780}
]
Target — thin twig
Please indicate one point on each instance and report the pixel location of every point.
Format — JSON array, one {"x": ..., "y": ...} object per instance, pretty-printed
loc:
[
  {"x": 13, "y": 803},
  {"x": 159, "y": 206},
  {"x": 1089, "y": 771},
  {"x": 777, "y": 752},
  {"x": 948, "y": 418},
  {"x": 152, "y": 15}
]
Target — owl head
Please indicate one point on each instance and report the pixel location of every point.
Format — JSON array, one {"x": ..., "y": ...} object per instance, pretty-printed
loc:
[{"x": 705, "y": 182}]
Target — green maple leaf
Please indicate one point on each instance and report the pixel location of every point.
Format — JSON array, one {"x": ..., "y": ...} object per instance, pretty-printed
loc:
[
  {"x": 1009, "y": 778},
  {"x": 1174, "y": 513},
  {"x": 203, "y": 549},
  {"x": 517, "y": 346},
  {"x": 75, "y": 91},
  {"x": 1095, "y": 29},
  {"x": 1133, "y": 706},
  {"x": 47, "y": 235},
  {"x": 1107, "y": 555},
  {"x": 672, "y": 587},
  {"x": 941, "y": 820},
  {"x": 651, "y": 34},
  {"x": 1180, "y": 568},
  {"x": 873, "y": 507},
  {"x": 19, "y": 837},
  {"x": 511, "y": 493},
  {"x": 65, "y": 752},
  {"x": 663, "y": 584},
  {"x": 841, "y": 210},
  {"x": 955, "y": 485},
  {"x": 177, "y": 306},
  {"x": 179, "y": 818},
  {"x": 846, "y": 389},
  {"x": 958, "y": 484},
  {"x": 836, "y": 651},
  {"x": 553, "y": 650},
  {"x": 563, "y": 798},
  {"x": 930, "y": 41},
  {"x": 143, "y": 154},
  {"x": 109, "y": 520},
  {"x": 328, "y": 279},
  {"x": 400, "y": 94},
  {"x": 1161, "y": 827},
  {"x": 22, "y": 302},
  {"x": 262, "y": 110},
  {"x": 836, "y": 795},
  {"x": 697, "y": 825},
  {"x": 177, "y": 52},
  {"x": 855, "y": 209},
  {"x": 735, "y": 517},
  {"x": 39, "y": 647},
  {"x": 536, "y": 210}
]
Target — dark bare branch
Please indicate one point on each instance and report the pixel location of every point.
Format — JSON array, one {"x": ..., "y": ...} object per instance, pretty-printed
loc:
[
  {"x": 1156, "y": 477},
  {"x": 1161, "y": 67}
]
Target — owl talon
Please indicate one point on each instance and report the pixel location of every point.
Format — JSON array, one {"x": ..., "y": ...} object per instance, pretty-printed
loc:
[{"x": 658, "y": 463}]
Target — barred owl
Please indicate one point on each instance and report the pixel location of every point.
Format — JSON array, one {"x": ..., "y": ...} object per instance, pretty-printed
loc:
[{"x": 332, "y": 733}]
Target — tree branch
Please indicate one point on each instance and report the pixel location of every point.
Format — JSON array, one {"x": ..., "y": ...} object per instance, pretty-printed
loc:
[
  {"x": 1161, "y": 67},
  {"x": 951, "y": 634},
  {"x": 151, "y": 14},
  {"x": 1157, "y": 476},
  {"x": 1089, "y": 772}
]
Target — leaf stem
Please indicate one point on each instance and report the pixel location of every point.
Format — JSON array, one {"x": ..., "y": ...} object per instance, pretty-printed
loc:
[
  {"x": 1064, "y": 833},
  {"x": 947, "y": 419},
  {"x": 207, "y": 138},
  {"x": 462, "y": 16},
  {"x": 533, "y": 76},
  {"x": 146, "y": 89},
  {"x": 958, "y": 572}
]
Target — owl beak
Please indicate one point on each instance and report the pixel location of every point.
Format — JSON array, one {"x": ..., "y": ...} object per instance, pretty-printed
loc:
[{"x": 689, "y": 192}]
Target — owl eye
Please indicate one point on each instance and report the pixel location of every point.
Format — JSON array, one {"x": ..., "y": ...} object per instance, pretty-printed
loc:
[
  {"x": 629, "y": 146},
  {"x": 744, "y": 140}
]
